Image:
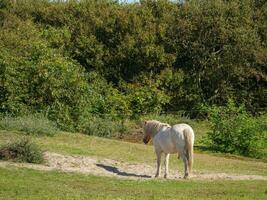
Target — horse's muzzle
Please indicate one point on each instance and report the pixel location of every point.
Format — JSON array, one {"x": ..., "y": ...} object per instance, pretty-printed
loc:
[{"x": 145, "y": 141}]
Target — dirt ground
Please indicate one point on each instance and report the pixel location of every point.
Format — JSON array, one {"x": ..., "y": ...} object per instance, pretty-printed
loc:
[{"x": 113, "y": 168}]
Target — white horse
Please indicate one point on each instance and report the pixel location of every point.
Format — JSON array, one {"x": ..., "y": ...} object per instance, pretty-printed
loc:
[{"x": 169, "y": 140}]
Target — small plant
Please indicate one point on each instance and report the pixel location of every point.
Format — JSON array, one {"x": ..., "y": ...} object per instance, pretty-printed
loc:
[
  {"x": 22, "y": 150},
  {"x": 236, "y": 131},
  {"x": 35, "y": 124}
]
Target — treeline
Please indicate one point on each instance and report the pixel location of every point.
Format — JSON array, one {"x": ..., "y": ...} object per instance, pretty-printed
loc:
[{"x": 72, "y": 60}]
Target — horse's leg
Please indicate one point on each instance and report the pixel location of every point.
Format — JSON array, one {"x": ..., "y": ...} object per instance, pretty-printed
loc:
[
  {"x": 185, "y": 160},
  {"x": 166, "y": 165},
  {"x": 158, "y": 163}
]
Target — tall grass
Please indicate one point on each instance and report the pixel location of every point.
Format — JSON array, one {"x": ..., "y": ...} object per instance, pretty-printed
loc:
[
  {"x": 102, "y": 127},
  {"x": 35, "y": 124}
]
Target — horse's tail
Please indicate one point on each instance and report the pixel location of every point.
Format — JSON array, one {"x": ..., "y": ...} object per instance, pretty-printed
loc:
[{"x": 189, "y": 143}]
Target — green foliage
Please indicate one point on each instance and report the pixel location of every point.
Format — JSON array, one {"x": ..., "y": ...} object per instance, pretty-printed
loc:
[
  {"x": 5, "y": 4},
  {"x": 171, "y": 82},
  {"x": 38, "y": 78},
  {"x": 105, "y": 99},
  {"x": 58, "y": 38},
  {"x": 220, "y": 51},
  {"x": 22, "y": 150},
  {"x": 35, "y": 124},
  {"x": 235, "y": 131},
  {"x": 145, "y": 99},
  {"x": 75, "y": 59}
]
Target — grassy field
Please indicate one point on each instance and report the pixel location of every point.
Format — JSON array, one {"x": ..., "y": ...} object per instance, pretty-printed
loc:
[
  {"x": 30, "y": 184},
  {"x": 79, "y": 144},
  {"x": 21, "y": 183}
]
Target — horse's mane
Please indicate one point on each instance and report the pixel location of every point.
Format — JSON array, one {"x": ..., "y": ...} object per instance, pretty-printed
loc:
[{"x": 154, "y": 126}]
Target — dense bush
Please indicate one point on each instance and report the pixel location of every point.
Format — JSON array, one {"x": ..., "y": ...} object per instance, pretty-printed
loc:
[
  {"x": 75, "y": 59},
  {"x": 22, "y": 150},
  {"x": 35, "y": 124},
  {"x": 105, "y": 99},
  {"x": 145, "y": 99},
  {"x": 36, "y": 77},
  {"x": 236, "y": 131}
]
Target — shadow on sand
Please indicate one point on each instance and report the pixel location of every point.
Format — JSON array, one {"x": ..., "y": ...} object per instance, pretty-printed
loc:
[{"x": 115, "y": 170}]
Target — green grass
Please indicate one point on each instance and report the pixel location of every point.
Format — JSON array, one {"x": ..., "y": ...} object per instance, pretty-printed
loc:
[
  {"x": 79, "y": 144},
  {"x": 22, "y": 183},
  {"x": 31, "y": 184}
]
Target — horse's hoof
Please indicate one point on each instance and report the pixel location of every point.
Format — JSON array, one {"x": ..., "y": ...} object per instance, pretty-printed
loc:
[
  {"x": 165, "y": 176},
  {"x": 186, "y": 177}
]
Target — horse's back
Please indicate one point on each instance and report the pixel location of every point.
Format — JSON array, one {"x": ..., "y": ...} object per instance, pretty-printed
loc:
[
  {"x": 179, "y": 129},
  {"x": 171, "y": 139}
]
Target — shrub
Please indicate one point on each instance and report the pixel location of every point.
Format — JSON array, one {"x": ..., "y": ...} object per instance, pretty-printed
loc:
[
  {"x": 22, "y": 150},
  {"x": 35, "y": 124},
  {"x": 236, "y": 131},
  {"x": 145, "y": 99},
  {"x": 103, "y": 127},
  {"x": 38, "y": 78},
  {"x": 105, "y": 99}
]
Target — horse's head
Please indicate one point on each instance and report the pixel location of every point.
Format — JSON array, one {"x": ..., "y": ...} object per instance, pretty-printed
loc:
[
  {"x": 151, "y": 128},
  {"x": 147, "y": 132}
]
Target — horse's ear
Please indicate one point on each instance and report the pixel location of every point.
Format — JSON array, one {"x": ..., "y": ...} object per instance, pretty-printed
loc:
[{"x": 145, "y": 122}]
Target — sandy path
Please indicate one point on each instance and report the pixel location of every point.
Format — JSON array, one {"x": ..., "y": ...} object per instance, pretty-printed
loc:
[{"x": 112, "y": 168}]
